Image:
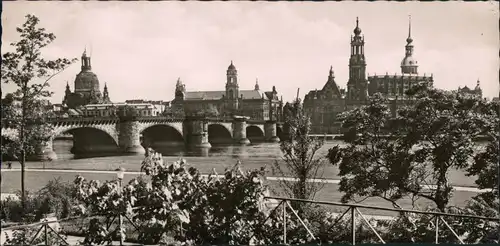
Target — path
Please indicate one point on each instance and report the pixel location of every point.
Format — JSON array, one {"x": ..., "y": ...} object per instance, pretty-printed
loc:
[{"x": 327, "y": 181}]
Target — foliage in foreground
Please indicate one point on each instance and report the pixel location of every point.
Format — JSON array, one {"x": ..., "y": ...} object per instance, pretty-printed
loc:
[
  {"x": 174, "y": 203},
  {"x": 56, "y": 197}
]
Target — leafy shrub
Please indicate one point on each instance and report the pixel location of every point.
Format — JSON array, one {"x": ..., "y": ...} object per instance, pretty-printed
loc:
[{"x": 55, "y": 197}]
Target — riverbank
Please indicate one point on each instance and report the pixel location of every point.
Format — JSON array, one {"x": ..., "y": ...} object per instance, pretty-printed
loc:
[
  {"x": 204, "y": 165},
  {"x": 38, "y": 179}
]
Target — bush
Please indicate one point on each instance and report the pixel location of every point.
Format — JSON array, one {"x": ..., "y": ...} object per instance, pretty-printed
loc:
[{"x": 56, "y": 197}]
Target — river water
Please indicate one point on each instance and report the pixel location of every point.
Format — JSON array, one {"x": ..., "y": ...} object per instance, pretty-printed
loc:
[
  {"x": 218, "y": 157},
  {"x": 259, "y": 150}
]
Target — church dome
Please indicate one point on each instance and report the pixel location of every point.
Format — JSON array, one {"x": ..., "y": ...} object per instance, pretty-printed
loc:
[
  {"x": 86, "y": 81},
  {"x": 357, "y": 30},
  {"x": 231, "y": 67},
  {"x": 408, "y": 61}
]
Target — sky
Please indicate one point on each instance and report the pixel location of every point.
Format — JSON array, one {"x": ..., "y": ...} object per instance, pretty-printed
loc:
[{"x": 140, "y": 48}]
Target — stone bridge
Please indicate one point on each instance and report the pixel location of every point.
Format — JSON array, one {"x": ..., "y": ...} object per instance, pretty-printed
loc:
[{"x": 113, "y": 135}]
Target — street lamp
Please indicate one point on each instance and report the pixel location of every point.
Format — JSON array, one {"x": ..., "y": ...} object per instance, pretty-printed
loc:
[{"x": 120, "y": 172}]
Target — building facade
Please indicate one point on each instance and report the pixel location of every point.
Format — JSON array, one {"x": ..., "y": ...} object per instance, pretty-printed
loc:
[
  {"x": 87, "y": 88},
  {"x": 477, "y": 91},
  {"x": 256, "y": 104},
  {"x": 325, "y": 105}
]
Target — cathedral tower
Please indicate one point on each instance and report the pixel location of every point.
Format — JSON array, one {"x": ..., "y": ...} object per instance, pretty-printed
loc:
[
  {"x": 232, "y": 87},
  {"x": 180, "y": 90},
  {"x": 86, "y": 66},
  {"x": 409, "y": 64},
  {"x": 105, "y": 96},
  {"x": 67, "y": 94},
  {"x": 357, "y": 85}
]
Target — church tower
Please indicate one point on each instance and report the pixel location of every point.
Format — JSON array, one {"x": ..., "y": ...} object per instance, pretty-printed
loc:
[
  {"x": 67, "y": 94},
  {"x": 357, "y": 85},
  {"x": 180, "y": 90},
  {"x": 409, "y": 64},
  {"x": 105, "y": 96},
  {"x": 86, "y": 66},
  {"x": 232, "y": 87}
]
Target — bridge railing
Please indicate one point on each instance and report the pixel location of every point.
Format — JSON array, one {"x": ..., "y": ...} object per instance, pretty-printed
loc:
[{"x": 97, "y": 118}]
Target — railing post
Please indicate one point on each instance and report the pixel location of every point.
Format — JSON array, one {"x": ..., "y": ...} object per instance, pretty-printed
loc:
[
  {"x": 353, "y": 224},
  {"x": 46, "y": 235},
  {"x": 437, "y": 229},
  {"x": 284, "y": 222}
]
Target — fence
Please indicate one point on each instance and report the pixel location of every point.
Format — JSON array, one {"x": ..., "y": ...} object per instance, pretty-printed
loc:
[{"x": 353, "y": 209}]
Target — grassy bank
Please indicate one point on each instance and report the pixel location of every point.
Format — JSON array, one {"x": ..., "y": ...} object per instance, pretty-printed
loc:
[
  {"x": 36, "y": 180},
  {"x": 204, "y": 165}
]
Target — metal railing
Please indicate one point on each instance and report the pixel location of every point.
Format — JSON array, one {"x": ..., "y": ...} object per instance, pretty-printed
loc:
[
  {"x": 45, "y": 230},
  {"x": 354, "y": 209}
]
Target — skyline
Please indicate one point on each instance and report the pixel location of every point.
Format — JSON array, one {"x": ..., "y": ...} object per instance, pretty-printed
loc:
[{"x": 194, "y": 41}]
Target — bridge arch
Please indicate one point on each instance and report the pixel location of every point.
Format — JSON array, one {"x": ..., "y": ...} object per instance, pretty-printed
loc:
[
  {"x": 219, "y": 134},
  {"x": 89, "y": 140},
  {"x": 161, "y": 135},
  {"x": 110, "y": 131},
  {"x": 255, "y": 134}
]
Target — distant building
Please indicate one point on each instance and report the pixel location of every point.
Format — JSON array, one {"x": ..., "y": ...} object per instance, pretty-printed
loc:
[
  {"x": 256, "y": 104},
  {"x": 477, "y": 91},
  {"x": 108, "y": 110},
  {"x": 87, "y": 89},
  {"x": 323, "y": 106},
  {"x": 159, "y": 105}
]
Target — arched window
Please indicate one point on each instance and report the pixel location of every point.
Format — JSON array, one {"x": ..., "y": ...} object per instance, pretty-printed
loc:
[{"x": 230, "y": 94}]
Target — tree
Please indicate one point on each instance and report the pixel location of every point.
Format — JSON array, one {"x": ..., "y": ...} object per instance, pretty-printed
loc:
[
  {"x": 128, "y": 112},
  {"x": 428, "y": 138},
  {"x": 299, "y": 156},
  {"x": 30, "y": 73},
  {"x": 209, "y": 110},
  {"x": 485, "y": 167}
]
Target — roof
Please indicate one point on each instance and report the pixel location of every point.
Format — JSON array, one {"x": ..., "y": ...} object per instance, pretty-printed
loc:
[
  {"x": 73, "y": 112},
  {"x": 400, "y": 76},
  {"x": 330, "y": 90},
  {"x": 217, "y": 95}
]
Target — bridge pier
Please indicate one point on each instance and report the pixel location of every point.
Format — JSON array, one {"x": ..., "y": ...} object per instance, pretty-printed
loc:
[
  {"x": 129, "y": 137},
  {"x": 240, "y": 130},
  {"x": 196, "y": 133},
  {"x": 270, "y": 131}
]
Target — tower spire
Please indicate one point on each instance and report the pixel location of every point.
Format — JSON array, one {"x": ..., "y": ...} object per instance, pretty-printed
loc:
[
  {"x": 409, "y": 26},
  {"x": 409, "y": 64},
  {"x": 257, "y": 84},
  {"x": 409, "y": 39}
]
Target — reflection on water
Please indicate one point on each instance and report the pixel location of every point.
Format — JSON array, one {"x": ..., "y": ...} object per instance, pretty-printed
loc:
[{"x": 263, "y": 150}]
